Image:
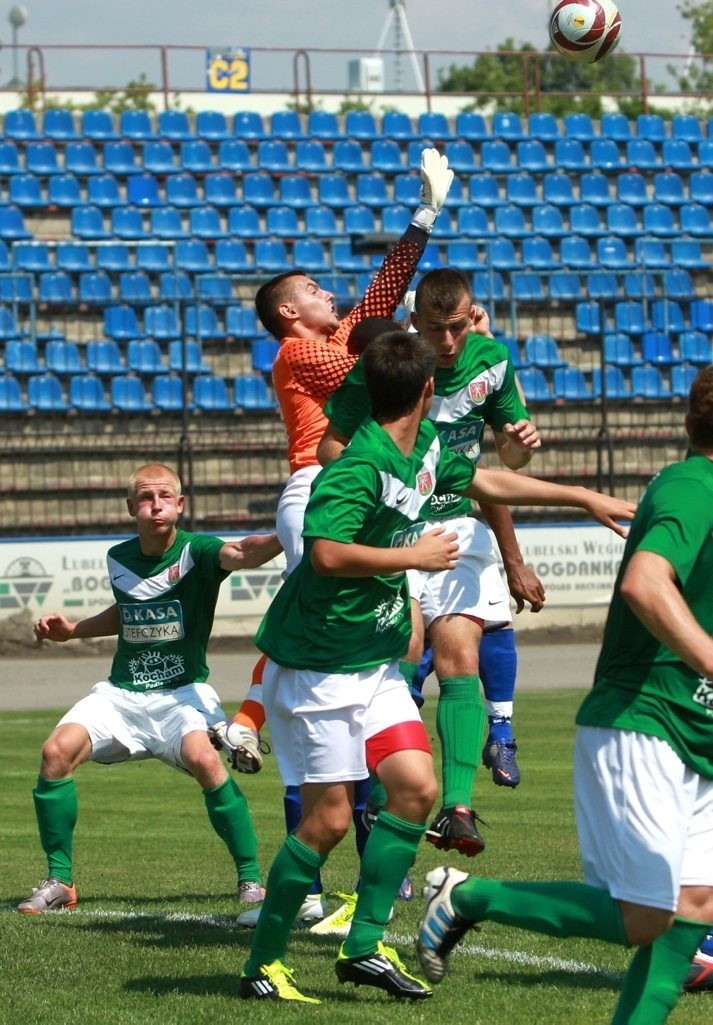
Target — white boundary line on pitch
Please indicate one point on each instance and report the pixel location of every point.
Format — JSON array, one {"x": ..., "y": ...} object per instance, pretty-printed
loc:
[{"x": 227, "y": 922}]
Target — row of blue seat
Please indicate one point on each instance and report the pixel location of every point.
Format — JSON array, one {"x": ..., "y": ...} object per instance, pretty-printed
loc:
[
  {"x": 128, "y": 393},
  {"x": 634, "y": 317},
  {"x": 571, "y": 384},
  {"x": 620, "y": 349},
  {"x": 141, "y": 126}
]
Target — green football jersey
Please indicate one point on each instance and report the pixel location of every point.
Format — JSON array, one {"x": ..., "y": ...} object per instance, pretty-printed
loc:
[
  {"x": 372, "y": 495},
  {"x": 640, "y": 684},
  {"x": 166, "y": 608},
  {"x": 480, "y": 389}
]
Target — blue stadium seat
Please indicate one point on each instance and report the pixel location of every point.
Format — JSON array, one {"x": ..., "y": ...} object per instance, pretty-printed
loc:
[
  {"x": 182, "y": 190},
  {"x": 371, "y": 190},
  {"x": 274, "y": 156},
  {"x": 220, "y": 189},
  {"x": 395, "y": 124},
  {"x": 21, "y": 356},
  {"x": 348, "y": 156},
  {"x": 11, "y": 400},
  {"x": 210, "y": 393},
  {"x": 615, "y": 383},
  {"x": 485, "y": 191},
  {"x": 603, "y": 285},
  {"x": 651, "y": 127},
  {"x": 63, "y": 191},
  {"x": 167, "y": 223},
  {"x": 470, "y": 125},
  {"x": 127, "y": 222},
  {"x": 21, "y": 125},
  {"x": 136, "y": 125},
  {"x": 695, "y": 220},
  {"x": 621, "y": 220},
  {"x": 612, "y": 252},
  {"x": 244, "y": 222},
  {"x": 264, "y": 351},
  {"x": 579, "y": 126},
  {"x": 98, "y": 125},
  {"x": 508, "y": 125},
  {"x": 159, "y": 157},
  {"x": 80, "y": 158},
  {"x": 489, "y": 286},
  {"x": 234, "y": 155},
  {"x": 587, "y": 317},
  {"x": 463, "y": 255},
  {"x": 248, "y": 124},
  {"x": 45, "y": 394},
  {"x": 619, "y": 350},
  {"x": 86, "y": 394},
  {"x": 386, "y": 156},
  {"x": 521, "y": 189},
  {"x": 104, "y": 357},
  {"x": 641, "y": 153},
  {"x": 677, "y": 155},
  {"x": 537, "y": 254},
  {"x": 311, "y": 255},
  {"x": 532, "y": 156},
  {"x": 258, "y": 189},
  {"x": 63, "y": 357},
  {"x": 542, "y": 351},
  {"x": 406, "y": 189},
  {"x": 700, "y": 185},
  {"x": 344, "y": 259},
  {"x": 667, "y": 315},
  {"x": 55, "y": 289},
  {"x": 231, "y": 256},
  {"x": 547, "y": 220},
  {"x": 295, "y": 191},
  {"x": 190, "y": 349},
  {"x": 120, "y": 323},
  {"x": 575, "y": 252},
  {"x": 58, "y": 125},
  {"x": 631, "y": 189},
  {"x": 174, "y": 284},
  {"x": 173, "y": 125},
  {"x": 394, "y": 219},
  {"x": 651, "y": 253},
  {"x": 311, "y": 157},
  {"x": 95, "y": 288},
  {"x": 9, "y": 158},
  {"x": 323, "y": 124},
  {"x": 535, "y": 385},
  {"x": 496, "y": 157},
  {"x": 286, "y": 124},
  {"x": 677, "y": 284},
  {"x": 334, "y": 191},
  {"x": 142, "y": 190},
  {"x": 201, "y": 321},
  {"x": 570, "y": 155},
  {"x": 104, "y": 192},
  {"x": 615, "y": 125},
  {"x": 321, "y": 221},
  {"x": 361, "y": 125},
  {"x": 205, "y": 222},
  {"x": 557, "y": 189},
  {"x": 527, "y": 287},
  {"x": 473, "y": 222},
  {"x": 113, "y": 257},
  {"x": 33, "y": 257},
  {"x": 594, "y": 189},
  {"x": 565, "y": 286},
  {"x": 687, "y": 127},
  {"x": 241, "y": 322},
  {"x": 701, "y": 312},
  {"x": 128, "y": 394},
  {"x": 501, "y": 254},
  {"x": 605, "y": 155},
  {"x": 629, "y": 317},
  {"x": 120, "y": 158},
  {"x": 25, "y": 191},
  {"x": 134, "y": 286},
  {"x": 585, "y": 220},
  {"x": 144, "y": 356},
  {"x": 686, "y": 252},
  {"x": 695, "y": 346},
  {"x": 215, "y": 288},
  {"x": 543, "y": 126},
  {"x": 433, "y": 124},
  {"x": 659, "y": 220},
  {"x": 191, "y": 254},
  {"x": 657, "y": 348},
  {"x": 510, "y": 222},
  {"x": 167, "y": 393},
  {"x": 161, "y": 322},
  {"x": 639, "y": 285},
  {"x": 570, "y": 385},
  {"x": 682, "y": 377},
  {"x": 282, "y": 222},
  {"x": 251, "y": 393},
  {"x": 153, "y": 257},
  {"x": 669, "y": 188},
  {"x": 647, "y": 383},
  {"x": 212, "y": 126},
  {"x": 461, "y": 156}
]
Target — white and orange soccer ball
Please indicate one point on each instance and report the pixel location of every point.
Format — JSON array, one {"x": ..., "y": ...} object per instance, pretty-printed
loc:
[{"x": 585, "y": 30}]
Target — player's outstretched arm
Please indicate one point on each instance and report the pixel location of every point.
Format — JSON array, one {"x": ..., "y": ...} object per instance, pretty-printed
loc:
[
  {"x": 250, "y": 552},
  {"x": 434, "y": 551},
  {"x": 57, "y": 627},
  {"x": 503, "y": 487}
]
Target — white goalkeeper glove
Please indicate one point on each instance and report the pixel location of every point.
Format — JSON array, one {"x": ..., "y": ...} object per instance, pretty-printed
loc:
[
  {"x": 240, "y": 744},
  {"x": 436, "y": 178}
]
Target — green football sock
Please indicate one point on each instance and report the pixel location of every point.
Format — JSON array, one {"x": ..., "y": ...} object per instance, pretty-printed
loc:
[
  {"x": 56, "y": 811},
  {"x": 460, "y": 720},
  {"x": 288, "y": 883},
  {"x": 556, "y": 909},
  {"x": 389, "y": 853},
  {"x": 655, "y": 978},
  {"x": 230, "y": 817}
]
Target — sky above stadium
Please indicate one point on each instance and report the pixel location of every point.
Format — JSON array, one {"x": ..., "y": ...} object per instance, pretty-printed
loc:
[{"x": 456, "y": 25}]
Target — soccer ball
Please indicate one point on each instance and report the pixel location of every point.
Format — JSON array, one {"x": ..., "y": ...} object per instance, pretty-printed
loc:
[{"x": 585, "y": 30}]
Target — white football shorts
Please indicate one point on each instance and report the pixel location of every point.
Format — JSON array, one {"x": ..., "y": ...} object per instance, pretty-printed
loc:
[
  {"x": 474, "y": 588},
  {"x": 320, "y": 722},
  {"x": 290, "y": 517},
  {"x": 645, "y": 820},
  {"x": 126, "y": 725}
]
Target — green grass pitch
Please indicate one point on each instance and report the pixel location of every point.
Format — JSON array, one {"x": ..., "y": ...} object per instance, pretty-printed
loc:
[{"x": 153, "y": 941}]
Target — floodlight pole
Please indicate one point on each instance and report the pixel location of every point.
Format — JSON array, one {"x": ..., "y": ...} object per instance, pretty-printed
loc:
[{"x": 402, "y": 34}]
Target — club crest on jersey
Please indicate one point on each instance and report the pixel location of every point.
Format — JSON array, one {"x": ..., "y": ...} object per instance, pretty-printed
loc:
[
  {"x": 424, "y": 483},
  {"x": 478, "y": 391},
  {"x": 174, "y": 573}
]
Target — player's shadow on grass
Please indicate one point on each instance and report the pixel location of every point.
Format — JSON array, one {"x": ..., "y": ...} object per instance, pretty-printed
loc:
[
  {"x": 593, "y": 979},
  {"x": 169, "y": 933},
  {"x": 226, "y": 985}
]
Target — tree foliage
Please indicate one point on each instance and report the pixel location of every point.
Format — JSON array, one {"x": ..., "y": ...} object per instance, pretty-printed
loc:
[{"x": 697, "y": 75}]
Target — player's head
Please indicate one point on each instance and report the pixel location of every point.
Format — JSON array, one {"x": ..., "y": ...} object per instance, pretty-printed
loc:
[
  {"x": 155, "y": 501},
  {"x": 398, "y": 370},
  {"x": 444, "y": 313},
  {"x": 294, "y": 304},
  {"x": 367, "y": 329},
  {"x": 699, "y": 420}
]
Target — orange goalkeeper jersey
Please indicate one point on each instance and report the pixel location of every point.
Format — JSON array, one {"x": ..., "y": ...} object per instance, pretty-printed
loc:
[{"x": 307, "y": 370}]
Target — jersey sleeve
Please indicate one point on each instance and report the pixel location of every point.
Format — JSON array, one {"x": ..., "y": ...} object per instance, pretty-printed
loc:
[
  {"x": 205, "y": 550},
  {"x": 679, "y": 521},
  {"x": 507, "y": 407},
  {"x": 348, "y": 406},
  {"x": 343, "y": 497}
]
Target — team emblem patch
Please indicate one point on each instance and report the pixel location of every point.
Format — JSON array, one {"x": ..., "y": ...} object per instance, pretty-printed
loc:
[
  {"x": 424, "y": 482},
  {"x": 174, "y": 573},
  {"x": 478, "y": 391}
]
